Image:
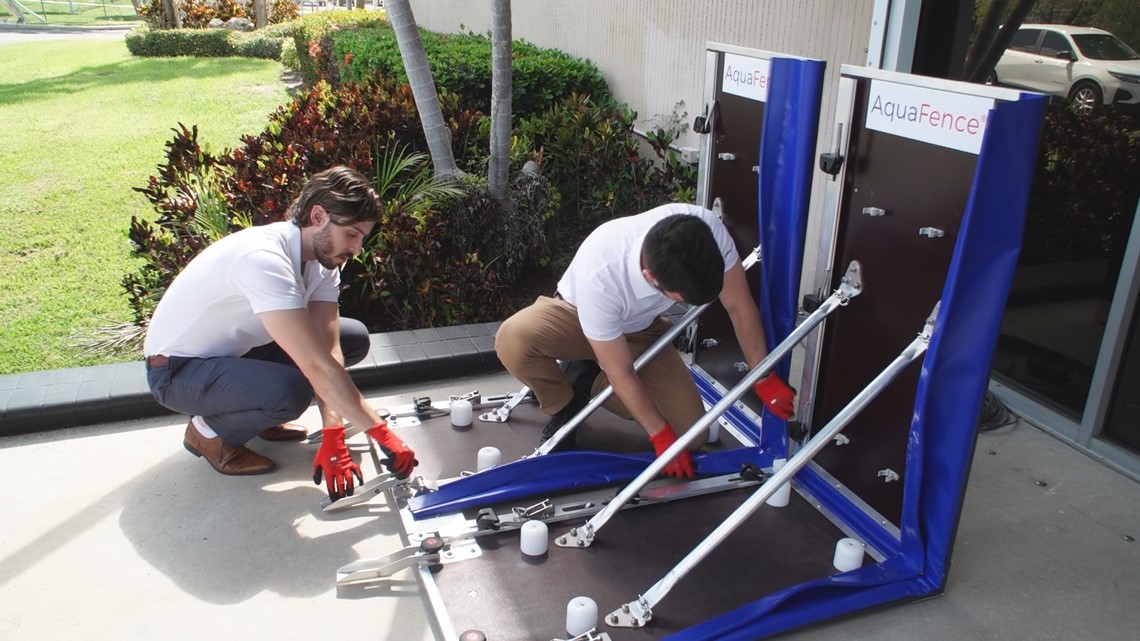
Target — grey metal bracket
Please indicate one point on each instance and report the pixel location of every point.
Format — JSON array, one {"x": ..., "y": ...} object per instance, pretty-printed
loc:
[
  {"x": 634, "y": 614},
  {"x": 850, "y": 286}
]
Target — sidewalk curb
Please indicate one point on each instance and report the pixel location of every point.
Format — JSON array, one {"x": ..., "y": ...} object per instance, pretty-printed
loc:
[{"x": 54, "y": 399}]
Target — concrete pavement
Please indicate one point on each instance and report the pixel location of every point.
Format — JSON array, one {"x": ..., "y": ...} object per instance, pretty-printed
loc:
[
  {"x": 114, "y": 531},
  {"x": 12, "y": 32}
]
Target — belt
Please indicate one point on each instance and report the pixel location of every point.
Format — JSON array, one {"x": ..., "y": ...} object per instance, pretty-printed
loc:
[{"x": 158, "y": 360}]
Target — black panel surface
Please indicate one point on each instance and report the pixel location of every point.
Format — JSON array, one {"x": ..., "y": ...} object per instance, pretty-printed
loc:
[
  {"x": 735, "y": 182},
  {"x": 918, "y": 185},
  {"x": 511, "y": 597}
]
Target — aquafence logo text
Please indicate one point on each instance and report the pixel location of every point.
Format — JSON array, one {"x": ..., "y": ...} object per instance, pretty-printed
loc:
[{"x": 925, "y": 114}]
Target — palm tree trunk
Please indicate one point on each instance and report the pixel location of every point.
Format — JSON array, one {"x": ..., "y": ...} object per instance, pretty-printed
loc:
[
  {"x": 260, "y": 15},
  {"x": 498, "y": 170},
  {"x": 173, "y": 18},
  {"x": 423, "y": 87}
]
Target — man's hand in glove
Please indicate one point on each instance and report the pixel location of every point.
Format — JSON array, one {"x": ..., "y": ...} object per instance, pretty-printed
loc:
[
  {"x": 335, "y": 463},
  {"x": 777, "y": 396},
  {"x": 680, "y": 467},
  {"x": 401, "y": 459}
]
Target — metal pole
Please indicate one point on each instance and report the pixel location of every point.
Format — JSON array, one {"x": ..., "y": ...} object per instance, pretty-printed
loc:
[
  {"x": 638, "y": 613},
  {"x": 850, "y": 287}
]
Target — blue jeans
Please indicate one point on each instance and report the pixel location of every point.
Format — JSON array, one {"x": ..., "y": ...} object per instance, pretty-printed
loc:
[{"x": 239, "y": 396}]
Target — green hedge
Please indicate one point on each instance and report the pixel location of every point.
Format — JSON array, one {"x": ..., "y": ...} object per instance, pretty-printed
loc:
[
  {"x": 203, "y": 43},
  {"x": 312, "y": 39},
  {"x": 461, "y": 64}
]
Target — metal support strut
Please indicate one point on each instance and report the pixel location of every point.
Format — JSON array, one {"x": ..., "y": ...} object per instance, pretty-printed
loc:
[
  {"x": 655, "y": 349},
  {"x": 850, "y": 286},
  {"x": 640, "y": 611}
]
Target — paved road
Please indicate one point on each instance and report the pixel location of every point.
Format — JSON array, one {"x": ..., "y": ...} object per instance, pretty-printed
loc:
[{"x": 11, "y": 32}]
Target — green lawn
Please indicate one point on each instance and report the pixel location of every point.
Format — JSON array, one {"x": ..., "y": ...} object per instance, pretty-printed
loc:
[
  {"x": 80, "y": 12},
  {"x": 81, "y": 123}
]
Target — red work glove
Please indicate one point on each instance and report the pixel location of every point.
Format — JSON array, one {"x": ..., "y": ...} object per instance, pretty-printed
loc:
[
  {"x": 777, "y": 396},
  {"x": 680, "y": 467},
  {"x": 334, "y": 462},
  {"x": 401, "y": 459}
]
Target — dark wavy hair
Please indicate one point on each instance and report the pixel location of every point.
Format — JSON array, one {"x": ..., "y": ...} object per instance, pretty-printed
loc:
[
  {"x": 684, "y": 257},
  {"x": 345, "y": 194}
]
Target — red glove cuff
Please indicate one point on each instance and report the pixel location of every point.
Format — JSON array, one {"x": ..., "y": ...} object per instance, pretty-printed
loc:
[{"x": 663, "y": 439}]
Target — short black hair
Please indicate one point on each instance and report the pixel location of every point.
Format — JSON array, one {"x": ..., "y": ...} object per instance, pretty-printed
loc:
[
  {"x": 684, "y": 257},
  {"x": 345, "y": 194}
]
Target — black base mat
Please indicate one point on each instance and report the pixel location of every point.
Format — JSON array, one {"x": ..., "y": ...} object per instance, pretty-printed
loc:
[
  {"x": 512, "y": 597},
  {"x": 444, "y": 450}
]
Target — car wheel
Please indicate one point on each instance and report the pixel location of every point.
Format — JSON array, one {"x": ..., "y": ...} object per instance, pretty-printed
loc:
[{"x": 1085, "y": 99}]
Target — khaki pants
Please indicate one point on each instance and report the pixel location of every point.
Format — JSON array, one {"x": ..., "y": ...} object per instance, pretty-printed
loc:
[{"x": 529, "y": 342}]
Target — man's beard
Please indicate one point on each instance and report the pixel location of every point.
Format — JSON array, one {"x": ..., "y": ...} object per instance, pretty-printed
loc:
[{"x": 323, "y": 248}]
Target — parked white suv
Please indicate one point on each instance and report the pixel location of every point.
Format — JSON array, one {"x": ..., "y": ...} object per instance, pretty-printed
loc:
[{"x": 1088, "y": 67}]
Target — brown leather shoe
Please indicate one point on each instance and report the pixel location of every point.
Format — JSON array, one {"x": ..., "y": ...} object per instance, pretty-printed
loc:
[
  {"x": 236, "y": 460},
  {"x": 284, "y": 432}
]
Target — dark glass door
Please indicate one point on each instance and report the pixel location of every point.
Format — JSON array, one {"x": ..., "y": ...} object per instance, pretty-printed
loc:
[{"x": 1078, "y": 224}]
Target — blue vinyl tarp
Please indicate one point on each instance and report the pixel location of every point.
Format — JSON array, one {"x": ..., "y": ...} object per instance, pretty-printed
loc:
[
  {"x": 787, "y": 161},
  {"x": 951, "y": 386}
]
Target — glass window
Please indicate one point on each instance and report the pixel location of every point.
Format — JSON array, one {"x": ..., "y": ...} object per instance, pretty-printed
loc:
[
  {"x": 1025, "y": 40},
  {"x": 1055, "y": 46},
  {"x": 1103, "y": 46}
]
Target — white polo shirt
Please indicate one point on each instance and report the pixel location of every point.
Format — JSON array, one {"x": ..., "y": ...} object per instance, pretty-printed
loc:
[
  {"x": 605, "y": 283},
  {"x": 211, "y": 307}
]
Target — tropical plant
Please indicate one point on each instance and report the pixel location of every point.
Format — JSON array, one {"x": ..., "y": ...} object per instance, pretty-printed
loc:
[{"x": 409, "y": 274}]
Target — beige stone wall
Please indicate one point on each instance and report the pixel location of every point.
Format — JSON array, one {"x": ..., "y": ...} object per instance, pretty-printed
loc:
[{"x": 652, "y": 51}]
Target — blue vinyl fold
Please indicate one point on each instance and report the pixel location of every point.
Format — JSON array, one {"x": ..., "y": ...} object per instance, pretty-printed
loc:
[{"x": 952, "y": 383}]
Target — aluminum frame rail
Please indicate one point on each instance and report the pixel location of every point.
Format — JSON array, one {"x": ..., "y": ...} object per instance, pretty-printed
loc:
[
  {"x": 654, "y": 349},
  {"x": 850, "y": 286},
  {"x": 420, "y": 408},
  {"x": 637, "y": 613}
]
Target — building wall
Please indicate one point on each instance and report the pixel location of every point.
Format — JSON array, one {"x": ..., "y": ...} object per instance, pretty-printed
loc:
[{"x": 652, "y": 51}]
